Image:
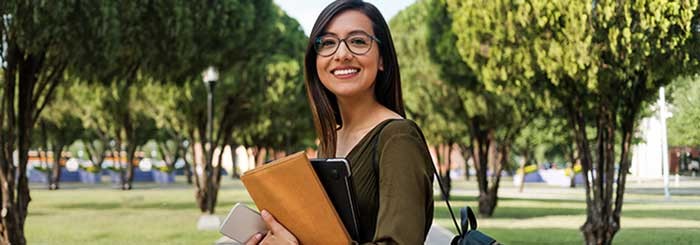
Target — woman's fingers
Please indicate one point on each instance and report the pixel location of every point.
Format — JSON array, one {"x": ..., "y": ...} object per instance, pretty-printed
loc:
[
  {"x": 255, "y": 239},
  {"x": 276, "y": 233},
  {"x": 272, "y": 224}
]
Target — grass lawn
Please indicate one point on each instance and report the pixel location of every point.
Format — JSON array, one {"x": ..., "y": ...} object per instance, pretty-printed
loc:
[{"x": 153, "y": 214}]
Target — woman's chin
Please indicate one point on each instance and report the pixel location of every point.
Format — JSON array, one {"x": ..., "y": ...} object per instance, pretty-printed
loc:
[{"x": 349, "y": 93}]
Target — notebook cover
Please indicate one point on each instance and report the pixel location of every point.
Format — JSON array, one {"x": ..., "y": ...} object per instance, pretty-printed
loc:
[{"x": 289, "y": 189}]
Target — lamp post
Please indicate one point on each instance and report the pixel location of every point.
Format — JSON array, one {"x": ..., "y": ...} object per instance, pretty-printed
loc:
[
  {"x": 209, "y": 221},
  {"x": 210, "y": 76},
  {"x": 664, "y": 141}
]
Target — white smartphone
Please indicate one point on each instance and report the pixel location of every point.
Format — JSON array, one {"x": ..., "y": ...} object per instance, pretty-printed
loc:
[{"x": 242, "y": 223}]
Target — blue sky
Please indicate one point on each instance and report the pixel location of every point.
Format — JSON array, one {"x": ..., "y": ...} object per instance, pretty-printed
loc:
[{"x": 306, "y": 11}]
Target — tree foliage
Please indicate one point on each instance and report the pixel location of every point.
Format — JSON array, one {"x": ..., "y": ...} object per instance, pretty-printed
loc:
[
  {"x": 40, "y": 41},
  {"x": 493, "y": 114},
  {"x": 683, "y": 126},
  {"x": 58, "y": 127},
  {"x": 601, "y": 61},
  {"x": 121, "y": 45},
  {"x": 430, "y": 101}
]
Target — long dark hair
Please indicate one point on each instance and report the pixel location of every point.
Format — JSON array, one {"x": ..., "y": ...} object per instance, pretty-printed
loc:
[{"x": 387, "y": 86}]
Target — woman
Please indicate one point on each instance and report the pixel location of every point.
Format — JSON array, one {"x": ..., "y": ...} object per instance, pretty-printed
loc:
[{"x": 354, "y": 88}]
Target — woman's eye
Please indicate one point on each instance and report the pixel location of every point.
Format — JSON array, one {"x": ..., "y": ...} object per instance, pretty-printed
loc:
[
  {"x": 358, "y": 41},
  {"x": 327, "y": 43}
]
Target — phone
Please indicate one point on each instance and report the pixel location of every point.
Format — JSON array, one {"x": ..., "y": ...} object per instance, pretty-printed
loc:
[
  {"x": 242, "y": 223},
  {"x": 336, "y": 178}
]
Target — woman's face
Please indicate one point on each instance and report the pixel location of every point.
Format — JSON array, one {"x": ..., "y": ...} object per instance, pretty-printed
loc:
[{"x": 345, "y": 73}]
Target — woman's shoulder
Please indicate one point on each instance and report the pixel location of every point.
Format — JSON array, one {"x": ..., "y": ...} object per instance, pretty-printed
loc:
[{"x": 400, "y": 127}]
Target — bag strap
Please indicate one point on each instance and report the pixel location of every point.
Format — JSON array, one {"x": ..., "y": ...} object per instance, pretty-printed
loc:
[
  {"x": 468, "y": 219},
  {"x": 375, "y": 163}
]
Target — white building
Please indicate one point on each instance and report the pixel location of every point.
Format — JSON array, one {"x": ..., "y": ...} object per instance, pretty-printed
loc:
[{"x": 647, "y": 155}]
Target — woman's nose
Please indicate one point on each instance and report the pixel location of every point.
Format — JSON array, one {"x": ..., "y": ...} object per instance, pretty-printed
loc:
[{"x": 343, "y": 53}]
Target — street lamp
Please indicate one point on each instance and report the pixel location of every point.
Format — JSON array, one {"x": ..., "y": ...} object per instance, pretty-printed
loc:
[
  {"x": 210, "y": 75},
  {"x": 207, "y": 221}
]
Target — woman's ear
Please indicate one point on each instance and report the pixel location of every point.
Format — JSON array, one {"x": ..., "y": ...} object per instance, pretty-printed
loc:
[{"x": 381, "y": 64}]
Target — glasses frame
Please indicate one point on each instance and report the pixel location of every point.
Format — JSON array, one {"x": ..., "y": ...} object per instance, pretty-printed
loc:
[{"x": 371, "y": 37}]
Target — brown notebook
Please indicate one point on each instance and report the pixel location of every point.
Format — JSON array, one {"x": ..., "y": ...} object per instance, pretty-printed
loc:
[{"x": 289, "y": 189}]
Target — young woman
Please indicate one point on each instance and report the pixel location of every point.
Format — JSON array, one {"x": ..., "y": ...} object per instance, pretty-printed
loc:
[{"x": 354, "y": 88}]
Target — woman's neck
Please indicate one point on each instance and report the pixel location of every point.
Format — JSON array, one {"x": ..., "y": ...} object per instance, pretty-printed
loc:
[{"x": 358, "y": 113}]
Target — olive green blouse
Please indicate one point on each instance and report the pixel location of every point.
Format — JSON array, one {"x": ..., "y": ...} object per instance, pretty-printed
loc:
[{"x": 404, "y": 212}]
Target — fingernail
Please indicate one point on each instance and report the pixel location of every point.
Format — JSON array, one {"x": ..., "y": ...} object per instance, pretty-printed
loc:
[
  {"x": 265, "y": 213},
  {"x": 258, "y": 236}
]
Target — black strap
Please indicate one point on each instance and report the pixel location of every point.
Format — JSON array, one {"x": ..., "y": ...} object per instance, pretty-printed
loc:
[
  {"x": 375, "y": 163},
  {"x": 468, "y": 219}
]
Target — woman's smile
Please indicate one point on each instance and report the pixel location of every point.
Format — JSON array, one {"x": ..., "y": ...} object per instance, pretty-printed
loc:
[{"x": 345, "y": 72}]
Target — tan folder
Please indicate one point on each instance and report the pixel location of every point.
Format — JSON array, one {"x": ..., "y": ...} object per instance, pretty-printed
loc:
[{"x": 289, "y": 189}]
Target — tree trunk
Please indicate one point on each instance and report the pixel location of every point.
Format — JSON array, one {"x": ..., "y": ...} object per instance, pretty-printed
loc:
[
  {"x": 209, "y": 173},
  {"x": 45, "y": 157},
  {"x": 17, "y": 118},
  {"x": 466, "y": 153},
  {"x": 234, "y": 161},
  {"x": 201, "y": 180},
  {"x": 497, "y": 159},
  {"x": 216, "y": 182},
  {"x": 188, "y": 166},
  {"x": 601, "y": 224},
  {"x": 447, "y": 178},
  {"x": 442, "y": 152},
  {"x": 260, "y": 156},
  {"x": 97, "y": 156},
  {"x": 55, "y": 177},
  {"x": 128, "y": 180},
  {"x": 481, "y": 142},
  {"x": 199, "y": 175}
]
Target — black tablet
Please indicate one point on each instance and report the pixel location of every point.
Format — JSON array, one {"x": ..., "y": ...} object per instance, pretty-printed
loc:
[{"x": 336, "y": 178}]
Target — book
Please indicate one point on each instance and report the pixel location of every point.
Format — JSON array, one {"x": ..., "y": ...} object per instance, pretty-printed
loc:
[{"x": 291, "y": 191}]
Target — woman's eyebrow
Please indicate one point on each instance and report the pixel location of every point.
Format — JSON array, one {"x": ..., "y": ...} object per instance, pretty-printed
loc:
[
  {"x": 349, "y": 33},
  {"x": 358, "y": 31}
]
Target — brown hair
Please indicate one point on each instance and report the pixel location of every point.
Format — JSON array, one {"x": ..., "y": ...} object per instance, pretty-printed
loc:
[{"x": 387, "y": 87}]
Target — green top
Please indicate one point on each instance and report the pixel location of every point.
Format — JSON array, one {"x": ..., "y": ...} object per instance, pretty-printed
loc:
[{"x": 404, "y": 211}]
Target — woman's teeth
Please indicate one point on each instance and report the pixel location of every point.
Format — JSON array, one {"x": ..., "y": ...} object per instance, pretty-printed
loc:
[{"x": 345, "y": 71}]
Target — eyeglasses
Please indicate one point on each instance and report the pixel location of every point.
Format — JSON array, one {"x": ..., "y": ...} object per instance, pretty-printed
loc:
[{"x": 358, "y": 43}]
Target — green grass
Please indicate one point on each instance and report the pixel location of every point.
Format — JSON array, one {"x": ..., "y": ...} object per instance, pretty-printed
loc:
[
  {"x": 646, "y": 220},
  {"x": 82, "y": 214},
  {"x": 153, "y": 214}
]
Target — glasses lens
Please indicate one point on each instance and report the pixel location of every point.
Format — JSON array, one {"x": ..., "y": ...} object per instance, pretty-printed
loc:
[
  {"x": 326, "y": 45},
  {"x": 359, "y": 44}
]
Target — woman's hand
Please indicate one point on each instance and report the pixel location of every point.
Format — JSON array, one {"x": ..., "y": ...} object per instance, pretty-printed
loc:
[{"x": 276, "y": 233}]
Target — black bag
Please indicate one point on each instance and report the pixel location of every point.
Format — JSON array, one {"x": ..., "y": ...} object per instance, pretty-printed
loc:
[{"x": 467, "y": 235}]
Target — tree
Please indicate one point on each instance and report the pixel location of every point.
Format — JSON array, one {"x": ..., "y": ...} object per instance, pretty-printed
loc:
[
  {"x": 494, "y": 114},
  {"x": 283, "y": 123},
  {"x": 430, "y": 101},
  {"x": 601, "y": 61},
  {"x": 238, "y": 91},
  {"x": 546, "y": 138},
  {"x": 683, "y": 127},
  {"x": 89, "y": 103},
  {"x": 119, "y": 44},
  {"x": 165, "y": 105},
  {"x": 41, "y": 41},
  {"x": 238, "y": 46},
  {"x": 59, "y": 128}
]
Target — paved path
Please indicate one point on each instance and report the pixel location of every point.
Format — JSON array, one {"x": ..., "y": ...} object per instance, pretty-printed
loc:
[
  {"x": 637, "y": 191},
  {"x": 436, "y": 236}
]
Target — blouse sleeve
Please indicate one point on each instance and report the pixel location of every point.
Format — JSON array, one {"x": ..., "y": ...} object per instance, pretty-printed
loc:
[{"x": 405, "y": 190}]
